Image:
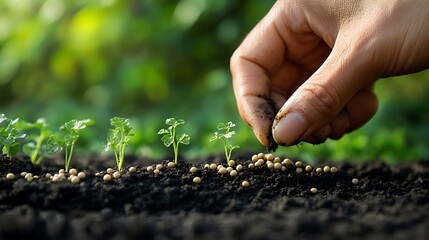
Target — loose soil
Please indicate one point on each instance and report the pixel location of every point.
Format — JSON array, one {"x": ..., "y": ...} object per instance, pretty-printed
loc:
[{"x": 389, "y": 202}]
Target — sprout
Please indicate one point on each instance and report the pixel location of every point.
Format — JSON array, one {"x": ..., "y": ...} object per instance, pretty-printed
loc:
[
  {"x": 119, "y": 137},
  {"x": 170, "y": 137},
  {"x": 226, "y": 127},
  {"x": 9, "y": 134}
]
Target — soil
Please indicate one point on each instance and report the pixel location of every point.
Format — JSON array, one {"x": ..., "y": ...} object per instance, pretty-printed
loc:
[{"x": 389, "y": 202}]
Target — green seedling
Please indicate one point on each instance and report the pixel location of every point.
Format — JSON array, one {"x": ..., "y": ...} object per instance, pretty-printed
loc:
[
  {"x": 66, "y": 138},
  {"x": 227, "y": 134},
  {"x": 119, "y": 137},
  {"x": 36, "y": 147},
  {"x": 9, "y": 134},
  {"x": 170, "y": 137}
]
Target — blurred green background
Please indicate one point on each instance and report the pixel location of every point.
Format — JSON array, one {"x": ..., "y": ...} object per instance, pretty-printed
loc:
[{"x": 150, "y": 60}]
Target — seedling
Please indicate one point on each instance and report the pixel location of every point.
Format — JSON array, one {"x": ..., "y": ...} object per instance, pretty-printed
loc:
[
  {"x": 9, "y": 134},
  {"x": 170, "y": 137},
  {"x": 35, "y": 147},
  {"x": 66, "y": 138},
  {"x": 120, "y": 135},
  {"x": 227, "y": 134}
]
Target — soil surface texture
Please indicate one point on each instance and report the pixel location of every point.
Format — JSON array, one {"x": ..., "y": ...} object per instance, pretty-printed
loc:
[{"x": 387, "y": 202}]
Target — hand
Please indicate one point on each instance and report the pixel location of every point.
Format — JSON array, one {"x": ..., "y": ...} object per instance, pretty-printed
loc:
[{"x": 306, "y": 71}]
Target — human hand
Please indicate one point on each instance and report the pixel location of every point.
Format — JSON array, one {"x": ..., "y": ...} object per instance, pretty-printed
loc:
[{"x": 306, "y": 71}]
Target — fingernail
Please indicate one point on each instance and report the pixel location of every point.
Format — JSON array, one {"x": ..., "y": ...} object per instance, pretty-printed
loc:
[{"x": 290, "y": 129}]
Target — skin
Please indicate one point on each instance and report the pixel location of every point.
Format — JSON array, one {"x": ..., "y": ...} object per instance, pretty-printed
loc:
[{"x": 306, "y": 71}]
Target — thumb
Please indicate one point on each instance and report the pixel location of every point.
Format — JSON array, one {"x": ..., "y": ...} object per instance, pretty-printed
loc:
[{"x": 317, "y": 102}]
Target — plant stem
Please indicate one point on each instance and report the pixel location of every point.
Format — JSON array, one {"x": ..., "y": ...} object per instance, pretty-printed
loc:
[
  {"x": 226, "y": 151},
  {"x": 36, "y": 151}
]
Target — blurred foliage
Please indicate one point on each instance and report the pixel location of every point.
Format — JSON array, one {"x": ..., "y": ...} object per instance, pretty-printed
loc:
[{"x": 151, "y": 60}]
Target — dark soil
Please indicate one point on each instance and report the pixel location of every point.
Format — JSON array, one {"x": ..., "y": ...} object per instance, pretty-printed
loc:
[{"x": 389, "y": 202}]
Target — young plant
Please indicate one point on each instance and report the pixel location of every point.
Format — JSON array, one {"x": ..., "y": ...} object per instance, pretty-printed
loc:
[
  {"x": 227, "y": 134},
  {"x": 66, "y": 138},
  {"x": 36, "y": 148},
  {"x": 120, "y": 134},
  {"x": 9, "y": 134},
  {"x": 170, "y": 137}
]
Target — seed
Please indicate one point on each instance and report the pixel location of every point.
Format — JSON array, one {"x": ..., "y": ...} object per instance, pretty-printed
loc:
[
  {"x": 55, "y": 178},
  {"x": 159, "y": 167},
  {"x": 74, "y": 180},
  {"x": 326, "y": 169},
  {"x": 28, "y": 175},
  {"x": 355, "y": 181},
  {"x": 171, "y": 164},
  {"x": 219, "y": 167},
  {"x": 61, "y": 171},
  {"x": 288, "y": 162},
  {"x": 239, "y": 167},
  {"x": 73, "y": 171},
  {"x": 299, "y": 170},
  {"x": 313, "y": 190},
  {"x": 319, "y": 170},
  {"x": 97, "y": 174},
  {"x": 277, "y": 165},
  {"x": 298, "y": 164},
  {"x": 308, "y": 168},
  {"x": 109, "y": 170},
  {"x": 10, "y": 176},
  {"x": 23, "y": 174},
  {"x": 29, "y": 178},
  {"x": 149, "y": 168},
  {"x": 229, "y": 169},
  {"x": 132, "y": 169},
  {"x": 196, "y": 180},
  {"x": 245, "y": 184},
  {"x": 222, "y": 171},
  {"x": 231, "y": 163},
  {"x": 233, "y": 173},
  {"x": 107, "y": 177},
  {"x": 251, "y": 165},
  {"x": 255, "y": 158},
  {"x": 156, "y": 171},
  {"x": 261, "y": 155},
  {"x": 213, "y": 166},
  {"x": 283, "y": 168},
  {"x": 193, "y": 170},
  {"x": 206, "y": 165},
  {"x": 270, "y": 165},
  {"x": 81, "y": 175},
  {"x": 334, "y": 169},
  {"x": 269, "y": 157},
  {"x": 277, "y": 160},
  {"x": 260, "y": 162},
  {"x": 116, "y": 175},
  {"x": 48, "y": 175}
]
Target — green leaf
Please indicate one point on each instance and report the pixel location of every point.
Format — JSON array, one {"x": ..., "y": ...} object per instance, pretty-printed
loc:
[
  {"x": 168, "y": 140},
  {"x": 184, "y": 139},
  {"x": 163, "y": 131}
]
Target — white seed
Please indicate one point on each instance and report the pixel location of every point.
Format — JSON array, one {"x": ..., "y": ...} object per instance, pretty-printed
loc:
[
  {"x": 28, "y": 175},
  {"x": 159, "y": 167},
  {"x": 156, "y": 171},
  {"x": 269, "y": 157},
  {"x": 261, "y": 155},
  {"x": 233, "y": 173},
  {"x": 107, "y": 177},
  {"x": 298, "y": 164},
  {"x": 355, "y": 181},
  {"x": 149, "y": 168},
  {"x": 55, "y": 178},
  {"x": 239, "y": 167},
  {"x": 255, "y": 158},
  {"x": 287, "y": 162},
  {"x": 73, "y": 171},
  {"x": 245, "y": 184},
  {"x": 171, "y": 164},
  {"x": 74, "y": 180},
  {"x": 277, "y": 165},
  {"x": 219, "y": 167},
  {"x": 251, "y": 165},
  {"x": 283, "y": 168},
  {"x": 257, "y": 164},
  {"x": 193, "y": 170},
  {"x": 61, "y": 176},
  {"x": 29, "y": 178},
  {"x": 231, "y": 163},
  {"x": 260, "y": 162},
  {"x": 109, "y": 170},
  {"x": 213, "y": 166},
  {"x": 69, "y": 177},
  {"x": 10, "y": 176},
  {"x": 97, "y": 174},
  {"x": 36, "y": 177},
  {"x": 270, "y": 165},
  {"x": 61, "y": 171},
  {"x": 319, "y": 170},
  {"x": 206, "y": 166},
  {"x": 299, "y": 170},
  {"x": 81, "y": 175},
  {"x": 48, "y": 175},
  {"x": 196, "y": 180},
  {"x": 229, "y": 169},
  {"x": 326, "y": 169},
  {"x": 334, "y": 170},
  {"x": 222, "y": 171},
  {"x": 277, "y": 160},
  {"x": 116, "y": 175},
  {"x": 23, "y": 174},
  {"x": 313, "y": 190},
  {"x": 308, "y": 168},
  {"x": 132, "y": 169}
]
